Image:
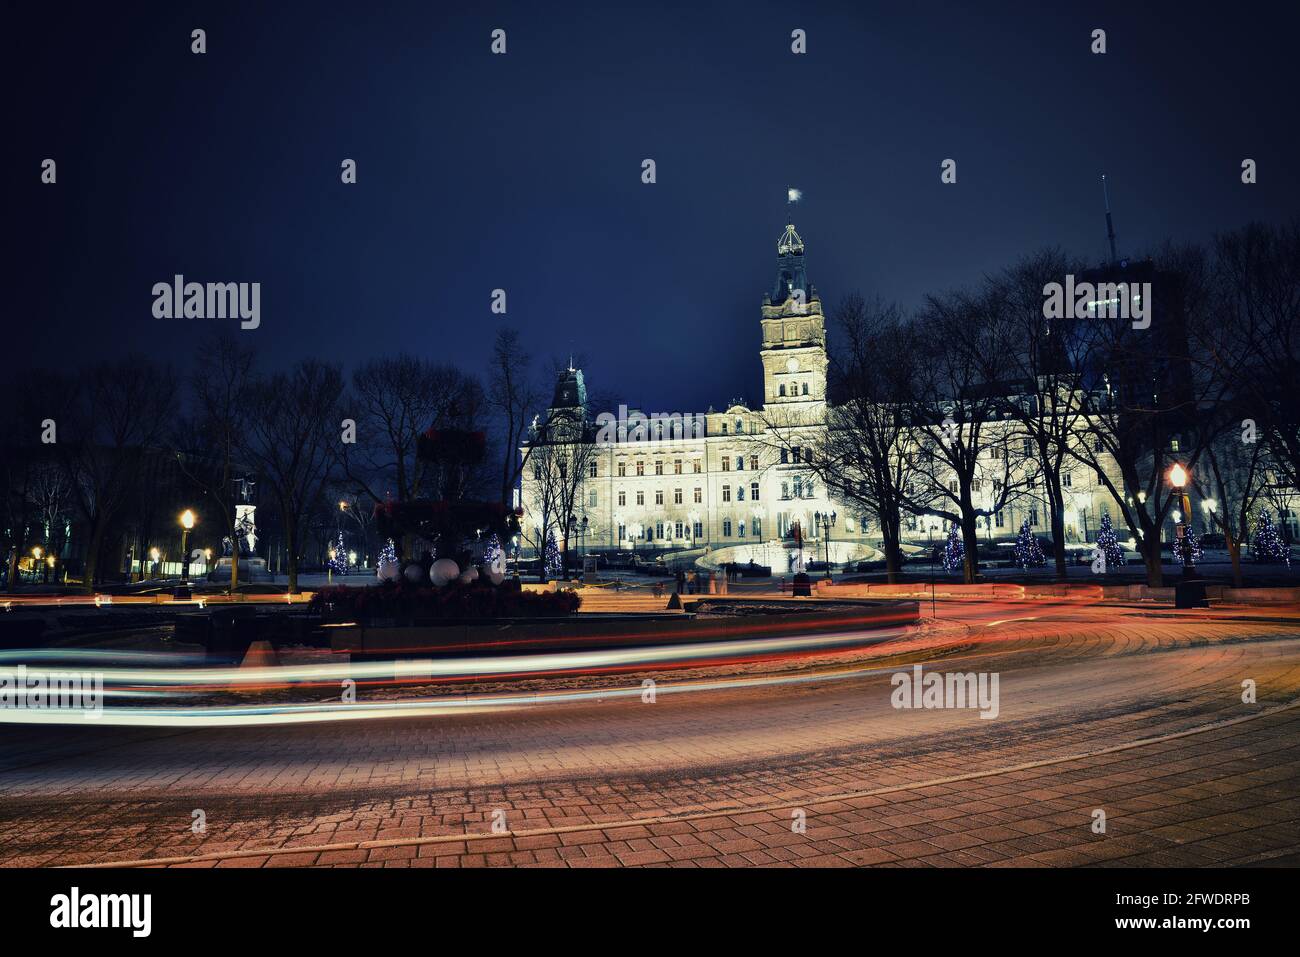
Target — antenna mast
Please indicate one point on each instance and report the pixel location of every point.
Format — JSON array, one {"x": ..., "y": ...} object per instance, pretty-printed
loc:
[{"x": 1110, "y": 226}]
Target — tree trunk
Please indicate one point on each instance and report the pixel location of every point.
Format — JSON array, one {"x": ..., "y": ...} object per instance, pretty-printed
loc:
[
  {"x": 970, "y": 539},
  {"x": 291, "y": 544},
  {"x": 1153, "y": 559},
  {"x": 889, "y": 533},
  {"x": 1234, "y": 552},
  {"x": 92, "y": 556},
  {"x": 1057, "y": 508}
]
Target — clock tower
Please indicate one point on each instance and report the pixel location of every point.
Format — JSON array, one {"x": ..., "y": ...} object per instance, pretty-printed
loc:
[{"x": 794, "y": 336}]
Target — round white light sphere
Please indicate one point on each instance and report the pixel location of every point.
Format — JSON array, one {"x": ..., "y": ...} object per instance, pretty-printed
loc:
[{"x": 413, "y": 574}]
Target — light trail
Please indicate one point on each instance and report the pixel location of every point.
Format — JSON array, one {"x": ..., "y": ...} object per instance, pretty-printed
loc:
[
  {"x": 443, "y": 706},
  {"x": 187, "y": 682}
]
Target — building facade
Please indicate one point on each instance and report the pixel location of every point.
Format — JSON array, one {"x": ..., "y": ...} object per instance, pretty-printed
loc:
[{"x": 730, "y": 485}]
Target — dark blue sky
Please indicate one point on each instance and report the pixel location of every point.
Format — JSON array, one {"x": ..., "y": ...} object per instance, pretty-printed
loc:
[{"x": 523, "y": 171}]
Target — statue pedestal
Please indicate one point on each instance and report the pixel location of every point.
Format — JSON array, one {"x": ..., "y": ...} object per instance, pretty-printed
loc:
[{"x": 251, "y": 569}]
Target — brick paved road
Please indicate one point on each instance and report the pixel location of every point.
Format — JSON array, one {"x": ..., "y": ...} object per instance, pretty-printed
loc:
[{"x": 1138, "y": 716}]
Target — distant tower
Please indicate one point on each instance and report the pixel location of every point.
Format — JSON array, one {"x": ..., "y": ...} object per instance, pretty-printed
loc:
[
  {"x": 568, "y": 410},
  {"x": 794, "y": 332}
]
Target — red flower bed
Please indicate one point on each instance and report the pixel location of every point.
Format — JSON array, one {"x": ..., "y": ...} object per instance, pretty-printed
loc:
[{"x": 476, "y": 600}]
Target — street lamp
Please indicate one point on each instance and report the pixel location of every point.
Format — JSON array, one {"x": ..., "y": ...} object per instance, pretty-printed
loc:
[
  {"x": 36, "y": 560},
  {"x": 1178, "y": 479},
  {"x": 827, "y": 522},
  {"x": 329, "y": 567},
  {"x": 187, "y": 523}
]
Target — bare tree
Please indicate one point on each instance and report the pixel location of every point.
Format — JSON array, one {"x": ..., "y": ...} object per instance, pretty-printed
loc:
[
  {"x": 220, "y": 389},
  {"x": 859, "y": 454},
  {"x": 962, "y": 440},
  {"x": 21, "y": 464},
  {"x": 1043, "y": 367},
  {"x": 395, "y": 400},
  {"x": 561, "y": 452},
  {"x": 116, "y": 414},
  {"x": 1256, "y": 339},
  {"x": 293, "y": 439},
  {"x": 514, "y": 396},
  {"x": 1152, "y": 402},
  {"x": 1234, "y": 477}
]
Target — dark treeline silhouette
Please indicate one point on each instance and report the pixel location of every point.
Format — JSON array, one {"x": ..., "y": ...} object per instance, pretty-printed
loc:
[{"x": 99, "y": 463}]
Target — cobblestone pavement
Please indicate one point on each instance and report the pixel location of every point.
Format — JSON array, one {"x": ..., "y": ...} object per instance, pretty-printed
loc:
[{"x": 1138, "y": 716}]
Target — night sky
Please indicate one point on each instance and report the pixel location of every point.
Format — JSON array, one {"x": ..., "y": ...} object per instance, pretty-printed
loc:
[{"x": 523, "y": 171}]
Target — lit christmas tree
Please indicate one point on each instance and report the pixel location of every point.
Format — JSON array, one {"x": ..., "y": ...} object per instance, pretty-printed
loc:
[
  {"x": 551, "y": 564},
  {"x": 1029, "y": 554},
  {"x": 1109, "y": 544},
  {"x": 1195, "y": 540},
  {"x": 1268, "y": 545},
  {"x": 340, "y": 560},
  {"x": 388, "y": 564},
  {"x": 954, "y": 552},
  {"x": 491, "y": 549}
]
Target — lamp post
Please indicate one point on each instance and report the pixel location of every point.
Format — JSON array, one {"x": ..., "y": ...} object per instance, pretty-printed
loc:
[
  {"x": 36, "y": 560},
  {"x": 1178, "y": 479},
  {"x": 827, "y": 521},
  {"x": 187, "y": 523},
  {"x": 1190, "y": 592}
]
